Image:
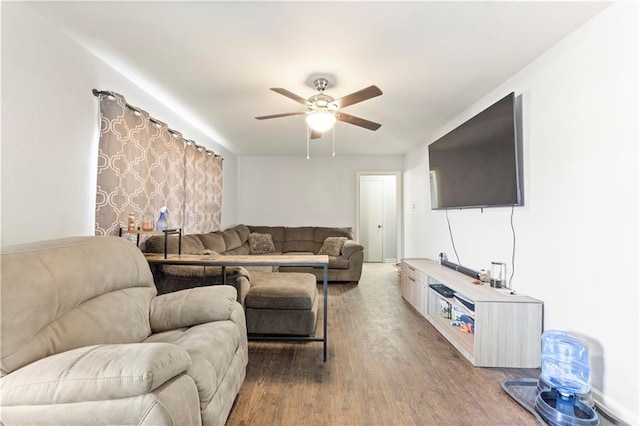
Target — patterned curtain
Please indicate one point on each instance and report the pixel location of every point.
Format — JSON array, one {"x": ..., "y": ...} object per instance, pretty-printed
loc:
[
  {"x": 166, "y": 173},
  {"x": 214, "y": 190},
  {"x": 144, "y": 166},
  {"x": 203, "y": 189}
]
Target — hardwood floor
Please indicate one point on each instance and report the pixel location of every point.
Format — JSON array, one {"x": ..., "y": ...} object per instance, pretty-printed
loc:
[{"x": 386, "y": 366}]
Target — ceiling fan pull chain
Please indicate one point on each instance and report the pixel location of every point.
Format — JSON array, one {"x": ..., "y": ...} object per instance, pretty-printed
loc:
[
  {"x": 308, "y": 138},
  {"x": 334, "y": 141}
]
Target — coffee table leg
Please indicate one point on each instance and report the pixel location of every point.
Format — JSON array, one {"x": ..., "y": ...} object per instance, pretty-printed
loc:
[{"x": 324, "y": 285}]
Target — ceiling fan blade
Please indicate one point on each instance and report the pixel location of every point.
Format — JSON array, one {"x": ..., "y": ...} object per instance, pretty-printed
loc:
[
  {"x": 315, "y": 134},
  {"x": 352, "y": 119},
  {"x": 286, "y": 114},
  {"x": 290, "y": 95},
  {"x": 359, "y": 96}
]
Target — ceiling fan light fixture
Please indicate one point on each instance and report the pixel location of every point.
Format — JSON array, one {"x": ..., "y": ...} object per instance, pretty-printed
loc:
[{"x": 321, "y": 120}]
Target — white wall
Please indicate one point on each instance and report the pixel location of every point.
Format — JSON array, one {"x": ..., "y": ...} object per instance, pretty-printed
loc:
[
  {"x": 294, "y": 191},
  {"x": 50, "y": 130},
  {"x": 577, "y": 235}
]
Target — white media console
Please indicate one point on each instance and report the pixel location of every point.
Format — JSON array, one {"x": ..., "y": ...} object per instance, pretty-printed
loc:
[{"x": 507, "y": 328}]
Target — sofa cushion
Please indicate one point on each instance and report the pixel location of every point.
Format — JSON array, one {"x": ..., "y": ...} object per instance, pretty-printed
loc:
[
  {"x": 192, "y": 306},
  {"x": 213, "y": 241},
  {"x": 191, "y": 271},
  {"x": 240, "y": 250},
  {"x": 298, "y": 239},
  {"x": 321, "y": 233},
  {"x": 332, "y": 246},
  {"x": 67, "y": 293},
  {"x": 243, "y": 232},
  {"x": 208, "y": 367},
  {"x": 231, "y": 239},
  {"x": 191, "y": 244},
  {"x": 300, "y": 233},
  {"x": 94, "y": 373},
  {"x": 277, "y": 290},
  {"x": 261, "y": 243}
]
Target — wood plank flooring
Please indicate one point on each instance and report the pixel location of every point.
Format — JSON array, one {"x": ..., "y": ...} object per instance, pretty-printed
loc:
[{"x": 386, "y": 366}]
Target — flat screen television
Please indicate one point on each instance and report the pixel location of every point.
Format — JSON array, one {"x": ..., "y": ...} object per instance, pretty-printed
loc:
[{"x": 478, "y": 164}]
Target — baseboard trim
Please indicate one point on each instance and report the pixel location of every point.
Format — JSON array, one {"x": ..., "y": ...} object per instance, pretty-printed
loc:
[{"x": 613, "y": 410}]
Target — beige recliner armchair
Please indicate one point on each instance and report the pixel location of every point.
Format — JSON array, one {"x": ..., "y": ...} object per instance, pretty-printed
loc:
[{"x": 85, "y": 340}]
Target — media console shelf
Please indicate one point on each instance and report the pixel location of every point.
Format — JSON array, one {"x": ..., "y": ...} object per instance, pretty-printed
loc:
[{"x": 507, "y": 328}]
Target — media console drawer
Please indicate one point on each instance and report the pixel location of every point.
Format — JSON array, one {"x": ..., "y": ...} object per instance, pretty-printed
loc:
[{"x": 506, "y": 328}]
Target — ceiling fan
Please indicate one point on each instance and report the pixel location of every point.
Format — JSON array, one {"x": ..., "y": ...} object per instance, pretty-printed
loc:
[{"x": 323, "y": 111}]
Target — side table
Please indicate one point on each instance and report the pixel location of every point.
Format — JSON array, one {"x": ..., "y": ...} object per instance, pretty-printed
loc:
[{"x": 166, "y": 232}]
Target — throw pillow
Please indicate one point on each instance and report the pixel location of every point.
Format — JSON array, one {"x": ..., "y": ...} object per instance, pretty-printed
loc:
[
  {"x": 261, "y": 243},
  {"x": 332, "y": 246}
]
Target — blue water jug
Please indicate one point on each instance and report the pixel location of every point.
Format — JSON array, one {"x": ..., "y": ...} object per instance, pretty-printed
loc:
[{"x": 565, "y": 363}]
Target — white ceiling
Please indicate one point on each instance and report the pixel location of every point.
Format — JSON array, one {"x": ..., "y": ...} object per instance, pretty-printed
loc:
[{"x": 215, "y": 61}]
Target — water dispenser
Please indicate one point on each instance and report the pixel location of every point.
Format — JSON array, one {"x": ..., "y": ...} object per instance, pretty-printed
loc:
[{"x": 564, "y": 396}]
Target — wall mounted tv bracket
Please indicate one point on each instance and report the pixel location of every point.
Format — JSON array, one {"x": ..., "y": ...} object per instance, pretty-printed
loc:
[{"x": 442, "y": 259}]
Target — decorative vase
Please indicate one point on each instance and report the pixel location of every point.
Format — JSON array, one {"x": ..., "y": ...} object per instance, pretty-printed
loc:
[
  {"x": 161, "y": 224},
  {"x": 148, "y": 222}
]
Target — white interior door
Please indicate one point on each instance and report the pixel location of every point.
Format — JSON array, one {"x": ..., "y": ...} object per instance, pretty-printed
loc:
[{"x": 372, "y": 219}]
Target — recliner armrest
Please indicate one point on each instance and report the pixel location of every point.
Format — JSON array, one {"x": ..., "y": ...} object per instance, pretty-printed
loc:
[
  {"x": 94, "y": 373},
  {"x": 350, "y": 247},
  {"x": 193, "y": 306}
]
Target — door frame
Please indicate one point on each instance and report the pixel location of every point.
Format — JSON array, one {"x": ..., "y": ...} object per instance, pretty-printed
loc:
[{"x": 399, "y": 217}]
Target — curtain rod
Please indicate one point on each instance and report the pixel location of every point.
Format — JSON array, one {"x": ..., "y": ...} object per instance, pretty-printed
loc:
[{"x": 97, "y": 94}]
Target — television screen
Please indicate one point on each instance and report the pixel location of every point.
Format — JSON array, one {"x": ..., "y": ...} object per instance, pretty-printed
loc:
[{"x": 477, "y": 164}]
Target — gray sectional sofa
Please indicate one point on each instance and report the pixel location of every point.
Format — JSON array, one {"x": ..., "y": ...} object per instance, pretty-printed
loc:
[
  {"x": 344, "y": 268},
  {"x": 85, "y": 340},
  {"x": 283, "y": 301}
]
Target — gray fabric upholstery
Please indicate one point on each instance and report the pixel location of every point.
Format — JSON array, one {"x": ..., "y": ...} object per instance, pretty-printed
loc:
[
  {"x": 309, "y": 239},
  {"x": 272, "y": 301},
  {"x": 241, "y": 250},
  {"x": 231, "y": 239},
  {"x": 77, "y": 342},
  {"x": 175, "y": 402},
  {"x": 212, "y": 241},
  {"x": 298, "y": 239},
  {"x": 347, "y": 267},
  {"x": 279, "y": 303},
  {"x": 94, "y": 373},
  {"x": 56, "y": 297},
  {"x": 243, "y": 232},
  {"x": 300, "y": 233},
  {"x": 189, "y": 308},
  {"x": 282, "y": 291}
]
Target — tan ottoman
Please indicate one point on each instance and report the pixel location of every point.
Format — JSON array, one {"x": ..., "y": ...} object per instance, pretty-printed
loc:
[{"x": 280, "y": 303}]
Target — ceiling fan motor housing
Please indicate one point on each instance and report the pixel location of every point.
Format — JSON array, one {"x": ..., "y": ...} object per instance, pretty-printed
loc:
[{"x": 321, "y": 101}]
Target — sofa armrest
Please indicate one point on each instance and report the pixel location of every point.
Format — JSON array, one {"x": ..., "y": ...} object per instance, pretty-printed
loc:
[
  {"x": 193, "y": 306},
  {"x": 94, "y": 373},
  {"x": 350, "y": 247}
]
